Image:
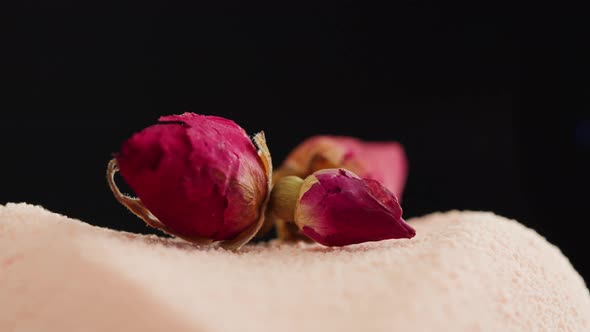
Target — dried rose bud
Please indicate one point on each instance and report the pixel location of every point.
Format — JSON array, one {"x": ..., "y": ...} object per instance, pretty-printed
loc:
[
  {"x": 382, "y": 161},
  {"x": 335, "y": 207},
  {"x": 197, "y": 177}
]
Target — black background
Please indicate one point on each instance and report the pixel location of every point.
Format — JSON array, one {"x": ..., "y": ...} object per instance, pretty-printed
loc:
[{"x": 489, "y": 98}]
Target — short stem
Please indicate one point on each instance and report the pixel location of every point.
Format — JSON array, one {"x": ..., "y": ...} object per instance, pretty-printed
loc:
[{"x": 284, "y": 196}]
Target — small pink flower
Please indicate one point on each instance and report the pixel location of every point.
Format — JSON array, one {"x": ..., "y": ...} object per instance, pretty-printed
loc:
[
  {"x": 385, "y": 162},
  {"x": 335, "y": 207},
  {"x": 200, "y": 176}
]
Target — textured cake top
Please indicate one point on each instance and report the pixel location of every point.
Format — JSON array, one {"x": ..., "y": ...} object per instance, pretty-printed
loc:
[{"x": 464, "y": 271}]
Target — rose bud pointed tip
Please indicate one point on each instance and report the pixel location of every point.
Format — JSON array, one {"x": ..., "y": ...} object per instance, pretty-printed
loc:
[
  {"x": 200, "y": 176},
  {"x": 337, "y": 208}
]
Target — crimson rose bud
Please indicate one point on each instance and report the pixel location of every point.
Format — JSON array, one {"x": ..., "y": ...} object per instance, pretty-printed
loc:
[
  {"x": 337, "y": 208},
  {"x": 200, "y": 176}
]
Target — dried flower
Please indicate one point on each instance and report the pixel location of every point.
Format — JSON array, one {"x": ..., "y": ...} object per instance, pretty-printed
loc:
[
  {"x": 382, "y": 161},
  {"x": 196, "y": 177},
  {"x": 385, "y": 162},
  {"x": 335, "y": 207}
]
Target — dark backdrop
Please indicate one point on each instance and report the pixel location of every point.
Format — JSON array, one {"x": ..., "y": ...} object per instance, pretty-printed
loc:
[{"x": 489, "y": 99}]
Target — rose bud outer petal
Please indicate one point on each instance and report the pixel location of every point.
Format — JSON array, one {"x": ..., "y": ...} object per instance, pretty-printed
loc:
[
  {"x": 385, "y": 162},
  {"x": 338, "y": 208},
  {"x": 201, "y": 176}
]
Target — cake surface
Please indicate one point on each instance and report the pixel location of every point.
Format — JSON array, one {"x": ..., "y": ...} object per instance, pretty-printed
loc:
[{"x": 464, "y": 271}]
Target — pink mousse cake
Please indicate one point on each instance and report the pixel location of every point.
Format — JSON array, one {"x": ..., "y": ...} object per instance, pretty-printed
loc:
[{"x": 464, "y": 271}]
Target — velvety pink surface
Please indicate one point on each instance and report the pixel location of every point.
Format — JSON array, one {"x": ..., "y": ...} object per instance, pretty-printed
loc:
[
  {"x": 463, "y": 272},
  {"x": 342, "y": 209},
  {"x": 385, "y": 162},
  {"x": 199, "y": 175}
]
